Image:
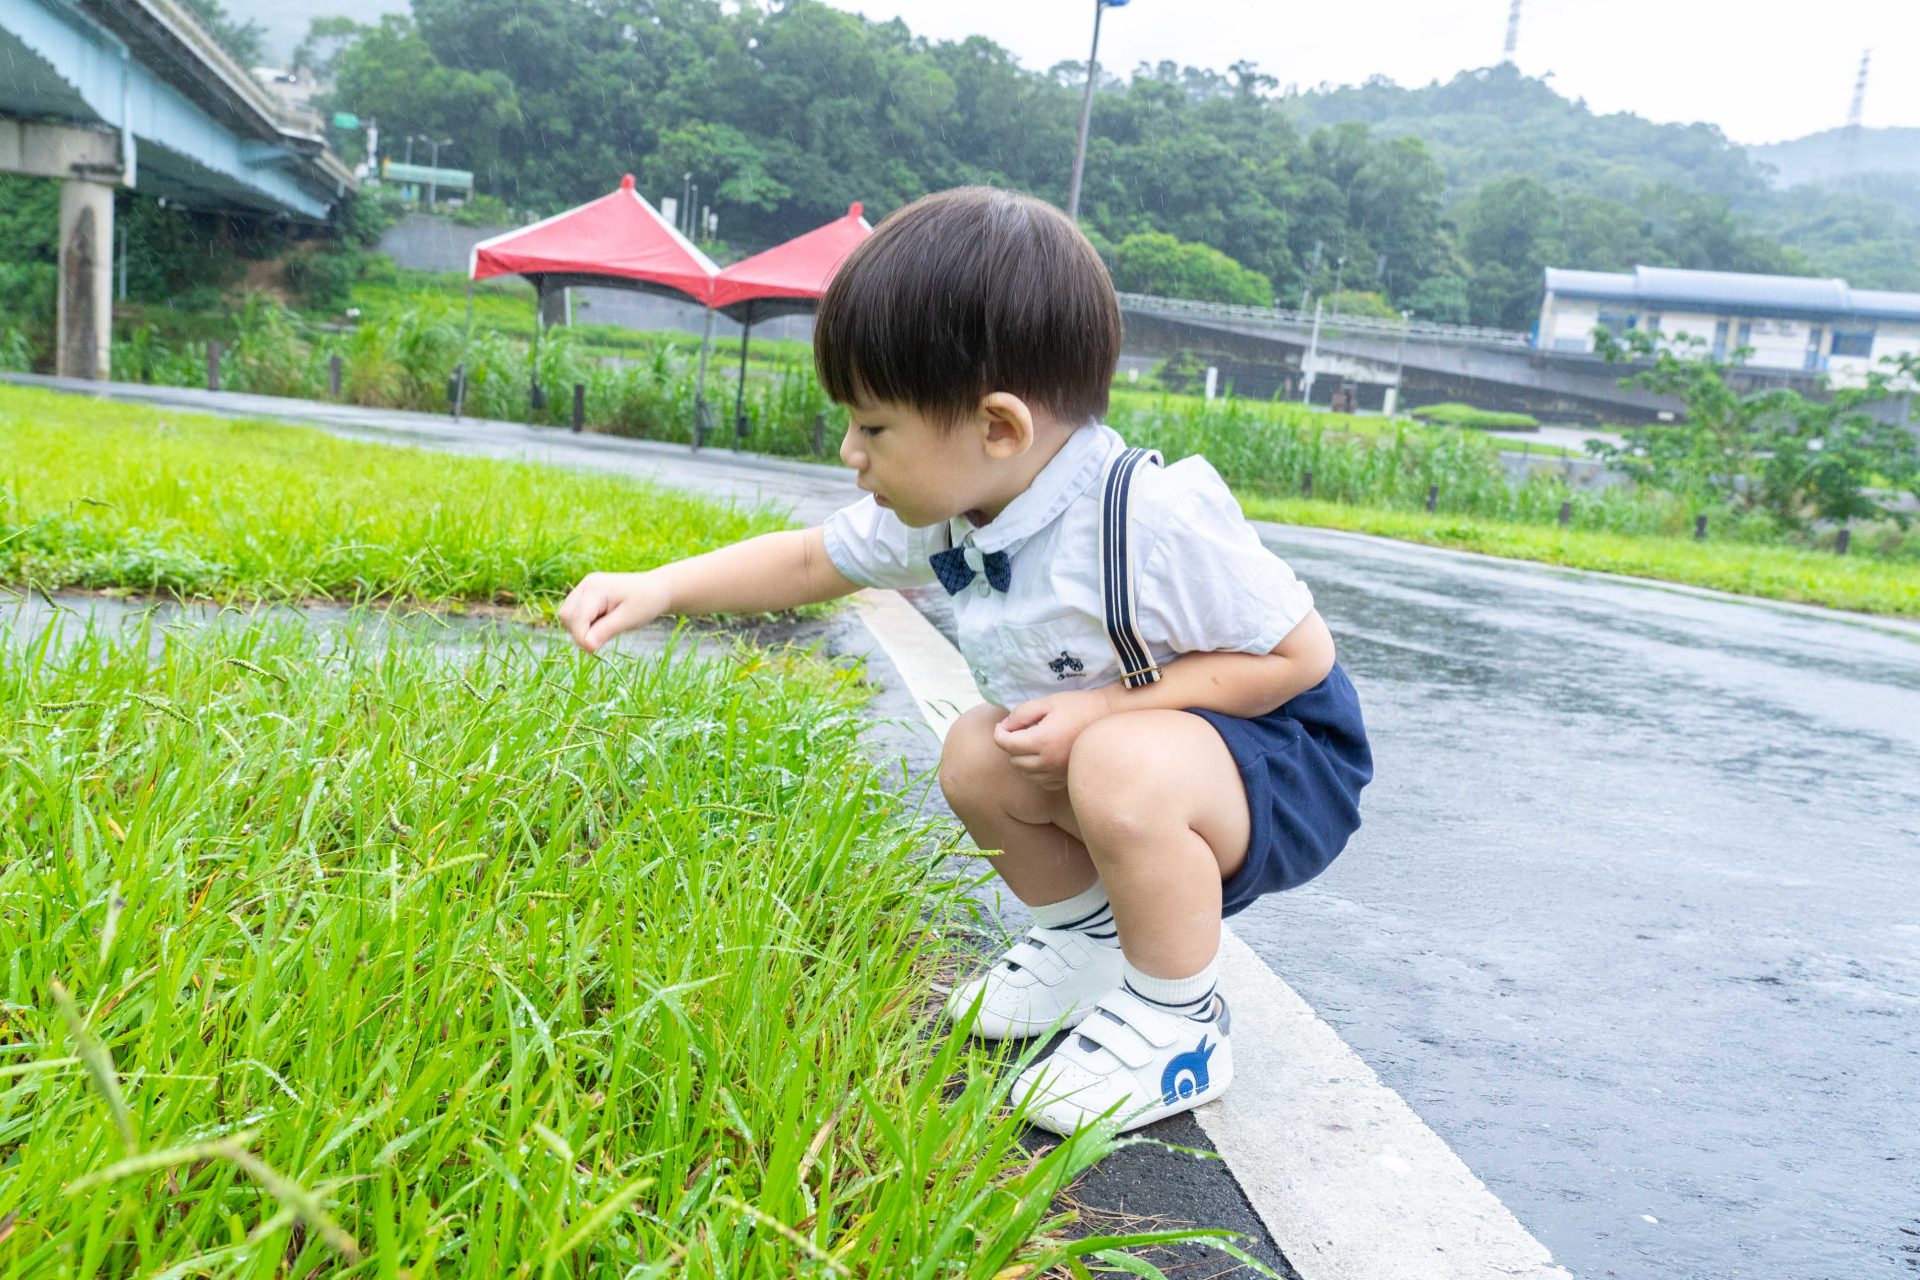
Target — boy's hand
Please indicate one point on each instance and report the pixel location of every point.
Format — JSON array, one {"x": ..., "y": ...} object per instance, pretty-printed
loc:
[
  {"x": 1038, "y": 736},
  {"x": 605, "y": 604}
]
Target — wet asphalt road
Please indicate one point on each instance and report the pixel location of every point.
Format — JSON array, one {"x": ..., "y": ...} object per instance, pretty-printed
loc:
[{"x": 1634, "y": 920}]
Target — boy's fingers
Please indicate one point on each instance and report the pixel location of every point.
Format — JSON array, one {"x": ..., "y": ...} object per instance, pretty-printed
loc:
[{"x": 1024, "y": 716}]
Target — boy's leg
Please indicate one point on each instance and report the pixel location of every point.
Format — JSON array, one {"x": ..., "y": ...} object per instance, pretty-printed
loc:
[
  {"x": 1041, "y": 860},
  {"x": 1070, "y": 958},
  {"x": 1158, "y": 804}
]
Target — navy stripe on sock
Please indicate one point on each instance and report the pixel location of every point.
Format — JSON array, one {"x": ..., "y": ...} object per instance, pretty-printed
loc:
[
  {"x": 1182, "y": 1007},
  {"x": 1086, "y": 919}
]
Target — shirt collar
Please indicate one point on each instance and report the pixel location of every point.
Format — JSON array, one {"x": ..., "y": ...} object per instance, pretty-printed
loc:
[{"x": 1067, "y": 475}]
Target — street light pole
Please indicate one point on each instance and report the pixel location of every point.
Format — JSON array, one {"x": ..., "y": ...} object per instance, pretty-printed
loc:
[
  {"x": 433, "y": 183},
  {"x": 1086, "y": 109}
]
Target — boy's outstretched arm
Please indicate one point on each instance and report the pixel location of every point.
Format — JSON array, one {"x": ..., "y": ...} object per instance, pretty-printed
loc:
[{"x": 760, "y": 575}]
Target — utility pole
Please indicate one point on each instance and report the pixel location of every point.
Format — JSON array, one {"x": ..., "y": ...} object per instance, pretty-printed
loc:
[
  {"x": 686, "y": 196},
  {"x": 1399, "y": 364},
  {"x": 1313, "y": 355},
  {"x": 1513, "y": 32},
  {"x": 1086, "y": 109}
]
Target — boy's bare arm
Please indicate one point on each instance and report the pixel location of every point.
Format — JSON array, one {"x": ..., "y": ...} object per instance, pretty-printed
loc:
[
  {"x": 760, "y": 575},
  {"x": 1237, "y": 684},
  {"x": 1038, "y": 736}
]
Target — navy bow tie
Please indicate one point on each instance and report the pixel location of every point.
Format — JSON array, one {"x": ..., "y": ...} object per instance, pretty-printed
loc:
[{"x": 951, "y": 567}]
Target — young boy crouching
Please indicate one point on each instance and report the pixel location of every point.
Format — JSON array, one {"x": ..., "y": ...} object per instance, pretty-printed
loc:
[{"x": 1166, "y": 735}]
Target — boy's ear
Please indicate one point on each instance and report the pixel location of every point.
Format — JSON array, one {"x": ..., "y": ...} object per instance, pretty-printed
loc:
[{"x": 1006, "y": 425}]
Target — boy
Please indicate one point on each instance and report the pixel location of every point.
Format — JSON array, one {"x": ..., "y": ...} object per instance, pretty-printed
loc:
[{"x": 1180, "y": 739}]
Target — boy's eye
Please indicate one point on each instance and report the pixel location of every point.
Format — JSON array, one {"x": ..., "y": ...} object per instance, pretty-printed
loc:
[{"x": 871, "y": 432}]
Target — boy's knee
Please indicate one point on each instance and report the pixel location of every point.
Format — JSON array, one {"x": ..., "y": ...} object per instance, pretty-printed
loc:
[
  {"x": 1111, "y": 775},
  {"x": 971, "y": 763}
]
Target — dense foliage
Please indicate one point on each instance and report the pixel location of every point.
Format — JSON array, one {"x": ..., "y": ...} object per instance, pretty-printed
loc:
[{"x": 1448, "y": 199}]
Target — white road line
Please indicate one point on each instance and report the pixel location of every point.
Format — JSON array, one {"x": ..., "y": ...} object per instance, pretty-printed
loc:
[{"x": 1349, "y": 1182}]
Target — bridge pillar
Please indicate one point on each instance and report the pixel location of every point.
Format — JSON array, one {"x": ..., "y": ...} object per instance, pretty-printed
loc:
[{"x": 85, "y": 325}]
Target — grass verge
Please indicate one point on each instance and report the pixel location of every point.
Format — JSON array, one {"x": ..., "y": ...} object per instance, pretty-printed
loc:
[
  {"x": 1773, "y": 573},
  {"x": 331, "y": 959},
  {"x": 97, "y": 494}
]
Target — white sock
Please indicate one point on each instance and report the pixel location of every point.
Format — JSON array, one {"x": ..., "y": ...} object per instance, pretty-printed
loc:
[
  {"x": 1190, "y": 997},
  {"x": 1085, "y": 913}
]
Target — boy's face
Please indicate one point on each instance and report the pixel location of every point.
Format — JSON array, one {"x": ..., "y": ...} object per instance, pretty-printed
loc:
[{"x": 924, "y": 474}]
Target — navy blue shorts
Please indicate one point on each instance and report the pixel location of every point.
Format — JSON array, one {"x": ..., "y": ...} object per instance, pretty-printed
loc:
[{"x": 1303, "y": 766}]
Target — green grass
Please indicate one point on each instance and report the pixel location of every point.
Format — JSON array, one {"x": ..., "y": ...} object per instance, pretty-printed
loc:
[
  {"x": 96, "y": 494},
  {"x": 331, "y": 958},
  {"x": 1774, "y": 573}
]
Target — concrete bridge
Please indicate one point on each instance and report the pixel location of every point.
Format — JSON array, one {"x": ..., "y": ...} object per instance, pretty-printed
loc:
[
  {"x": 134, "y": 93},
  {"x": 1265, "y": 352}
]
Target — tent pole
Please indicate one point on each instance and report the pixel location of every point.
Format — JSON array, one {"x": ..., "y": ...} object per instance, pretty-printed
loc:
[
  {"x": 466, "y": 352},
  {"x": 700, "y": 385},
  {"x": 740, "y": 398}
]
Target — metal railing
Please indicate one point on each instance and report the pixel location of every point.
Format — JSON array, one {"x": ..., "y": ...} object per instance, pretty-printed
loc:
[
  {"x": 1280, "y": 318},
  {"x": 286, "y": 118}
]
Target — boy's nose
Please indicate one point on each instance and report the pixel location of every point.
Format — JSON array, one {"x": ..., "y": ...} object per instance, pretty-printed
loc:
[{"x": 850, "y": 451}]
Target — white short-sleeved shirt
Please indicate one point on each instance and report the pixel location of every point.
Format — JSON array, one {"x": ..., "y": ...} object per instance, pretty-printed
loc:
[{"x": 1204, "y": 581}]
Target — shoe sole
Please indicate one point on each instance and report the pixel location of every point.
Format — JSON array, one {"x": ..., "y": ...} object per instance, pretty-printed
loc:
[{"x": 1152, "y": 1115}]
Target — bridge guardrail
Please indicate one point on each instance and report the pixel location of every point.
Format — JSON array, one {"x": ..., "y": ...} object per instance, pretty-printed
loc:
[
  {"x": 1279, "y": 317},
  {"x": 294, "y": 121}
]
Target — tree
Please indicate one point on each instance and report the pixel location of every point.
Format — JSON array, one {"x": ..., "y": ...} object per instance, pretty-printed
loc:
[
  {"x": 1771, "y": 450},
  {"x": 1156, "y": 263},
  {"x": 241, "y": 39}
]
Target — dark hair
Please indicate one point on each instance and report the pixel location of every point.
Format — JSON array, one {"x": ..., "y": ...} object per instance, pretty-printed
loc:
[{"x": 966, "y": 292}]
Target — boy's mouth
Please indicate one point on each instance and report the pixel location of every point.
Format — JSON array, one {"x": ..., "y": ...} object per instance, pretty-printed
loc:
[{"x": 880, "y": 500}]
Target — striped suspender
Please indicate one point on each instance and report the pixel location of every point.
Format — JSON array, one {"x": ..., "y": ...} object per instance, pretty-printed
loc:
[{"x": 1116, "y": 581}]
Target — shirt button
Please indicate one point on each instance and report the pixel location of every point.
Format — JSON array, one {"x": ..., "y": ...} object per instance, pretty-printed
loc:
[{"x": 982, "y": 587}]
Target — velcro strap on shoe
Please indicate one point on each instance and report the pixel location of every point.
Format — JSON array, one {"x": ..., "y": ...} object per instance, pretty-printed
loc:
[
  {"x": 1043, "y": 964},
  {"x": 1156, "y": 1026},
  {"x": 1117, "y": 1038},
  {"x": 1072, "y": 948}
]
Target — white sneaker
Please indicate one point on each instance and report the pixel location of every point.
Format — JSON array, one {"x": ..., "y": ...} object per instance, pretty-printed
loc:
[
  {"x": 1128, "y": 1058},
  {"x": 1047, "y": 976}
]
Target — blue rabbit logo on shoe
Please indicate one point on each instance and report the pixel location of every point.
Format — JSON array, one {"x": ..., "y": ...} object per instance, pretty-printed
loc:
[{"x": 1186, "y": 1075}]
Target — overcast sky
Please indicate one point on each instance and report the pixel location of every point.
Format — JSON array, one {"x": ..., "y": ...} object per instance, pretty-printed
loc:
[{"x": 1763, "y": 70}]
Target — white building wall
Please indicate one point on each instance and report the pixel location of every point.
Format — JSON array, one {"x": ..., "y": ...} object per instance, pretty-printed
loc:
[
  {"x": 1689, "y": 324},
  {"x": 1777, "y": 344},
  {"x": 1570, "y": 324}
]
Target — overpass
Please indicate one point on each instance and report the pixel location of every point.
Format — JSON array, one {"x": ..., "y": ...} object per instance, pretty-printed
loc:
[
  {"x": 135, "y": 93},
  {"x": 1266, "y": 351}
]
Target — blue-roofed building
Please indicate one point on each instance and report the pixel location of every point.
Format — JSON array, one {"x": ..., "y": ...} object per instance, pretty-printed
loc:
[{"x": 1791, "y": 322}]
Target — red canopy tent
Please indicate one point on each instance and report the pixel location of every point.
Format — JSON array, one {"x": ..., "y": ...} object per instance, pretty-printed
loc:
[
  {"x": 621, "y": 241},
  {"x": 787, "y": 279},
  {"x": 618, "y": 241}
]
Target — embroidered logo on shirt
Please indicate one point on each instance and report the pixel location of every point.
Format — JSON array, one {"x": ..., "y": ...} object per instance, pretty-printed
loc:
[{"x": 1066, "y": 666}]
